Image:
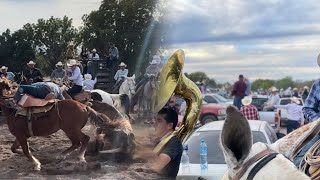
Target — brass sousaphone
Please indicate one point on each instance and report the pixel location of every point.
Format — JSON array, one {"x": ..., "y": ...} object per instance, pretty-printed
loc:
[{"x": 172, "y": 80}]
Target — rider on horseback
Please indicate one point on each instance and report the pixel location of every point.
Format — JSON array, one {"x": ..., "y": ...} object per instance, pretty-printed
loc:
[
  {"x": 33, "y": 74},
  {"x": 120, "y": 75},
  {"x": 152, "y": 70},
  {"x": 8, "y": 75},
  {"x": 59, "y": 73},
  {"x": 75, "y": 77}
]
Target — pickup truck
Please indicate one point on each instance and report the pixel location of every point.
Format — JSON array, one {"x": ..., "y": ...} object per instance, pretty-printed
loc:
[{"x": 283, "y": 112}]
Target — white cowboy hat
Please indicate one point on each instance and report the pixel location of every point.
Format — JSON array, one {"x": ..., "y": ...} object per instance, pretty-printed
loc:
[
  {"x": 295, "y": 100},
  {"x": 72, "y": 62},
  {"x": 153, "y": 62},
  {"x": 122, "y": 64},
  {"x": 273, "y": 89},
  {"x": 94, "y": 50},
  {"x": 87, "y": 77},
  {"x": 247, "y": 100},
  {"x": 4, "y": 68},
  {"x": 59, "y": 64},
  {"x": 306, "y": 87},
  {"x": 31, "y": 62}
]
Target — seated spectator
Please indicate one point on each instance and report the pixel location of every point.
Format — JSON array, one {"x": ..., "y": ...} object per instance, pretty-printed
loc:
[
  {"x": 6, "y": 74},
  {"x": 250, "y": 112},
  {"x": 88, "y": 83}
]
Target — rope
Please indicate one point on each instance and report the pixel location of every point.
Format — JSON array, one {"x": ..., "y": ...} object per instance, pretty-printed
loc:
[{"x": 310, "y": 163}]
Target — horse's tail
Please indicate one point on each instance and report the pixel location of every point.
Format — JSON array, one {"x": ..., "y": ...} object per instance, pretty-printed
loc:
[{"x": 98, "y": 119}]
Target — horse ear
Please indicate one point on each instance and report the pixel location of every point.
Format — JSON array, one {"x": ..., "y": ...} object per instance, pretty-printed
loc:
[
  {"x": 236, "y": 137},
  {"x": 134, "y": 76}
]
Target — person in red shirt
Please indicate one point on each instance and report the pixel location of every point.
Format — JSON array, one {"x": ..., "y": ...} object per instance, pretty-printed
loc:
[
  {"x": 250, "y": 112},
  {"x": 238, "y": 91}
]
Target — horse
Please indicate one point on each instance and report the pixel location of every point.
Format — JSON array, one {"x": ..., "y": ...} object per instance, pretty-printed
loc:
[
  {"x": 128, "y": 86},
  {"x": 67, "y": 115},
  {"x": 247, "y": 161},
  {"x": 120, "y": 101}
]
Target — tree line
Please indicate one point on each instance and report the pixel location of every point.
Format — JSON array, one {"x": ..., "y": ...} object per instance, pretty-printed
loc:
[{"x": 125, "y": 23}]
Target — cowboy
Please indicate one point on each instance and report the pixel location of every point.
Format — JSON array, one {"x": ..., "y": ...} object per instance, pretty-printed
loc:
[
  {"x": 6, "y": 74},
  {"x": 295, "y": 114},
  {"x": 59, "y": 72},
  {"x": 113, "y": 54},
  {"x": 238, "y": 91},
  {"x": 39, "y": 90},
  {"x": 152, "y": 70},
  {"x": 92, "y": 64},
  {"x": 75, "y": 77},
  {"x": 120, "y": 75},
  {"x": 249, "y": 111},
  {"x": 274, "y": 99},
  {"x": 33, "y": 74},
  {"x": 88, "y": 83},
  {"x": 305, "y": 93}
]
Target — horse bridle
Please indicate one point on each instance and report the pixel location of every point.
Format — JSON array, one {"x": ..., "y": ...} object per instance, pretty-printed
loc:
[{"x": 264, "y": 157}]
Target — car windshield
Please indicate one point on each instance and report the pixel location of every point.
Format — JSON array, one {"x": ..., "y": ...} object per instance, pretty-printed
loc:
[
  {"x": 220, "y": 98},
  {"x": 212, "y": 139}
]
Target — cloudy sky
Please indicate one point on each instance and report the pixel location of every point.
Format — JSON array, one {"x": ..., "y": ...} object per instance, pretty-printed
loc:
[{"x": 260, "y": 39}]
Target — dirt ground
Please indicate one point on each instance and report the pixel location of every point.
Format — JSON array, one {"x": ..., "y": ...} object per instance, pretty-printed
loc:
[{"x": 46, "y": 149}]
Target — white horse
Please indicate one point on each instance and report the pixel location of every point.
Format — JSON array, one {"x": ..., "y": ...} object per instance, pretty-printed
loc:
[
  {"x": 120, "y": 101},
  {"x": 247, "y": 161},
  {"x": 128, "y": 86}
]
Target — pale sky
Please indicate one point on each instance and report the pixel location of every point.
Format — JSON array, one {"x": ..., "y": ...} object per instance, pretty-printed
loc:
[{"x": 223, "y": 38}]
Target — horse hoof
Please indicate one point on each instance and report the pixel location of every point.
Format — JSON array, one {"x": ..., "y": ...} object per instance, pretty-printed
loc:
[
  {"x": 82, "y": 159},
  {"x": 37, "y": 167}
]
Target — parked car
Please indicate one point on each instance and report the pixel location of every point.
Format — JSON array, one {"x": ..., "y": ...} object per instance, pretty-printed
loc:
[
  {"x": 283, "y": 114},
  {"x": 261, "y": 132},
  {"x": 215, "y": 98},
  {"x": 272, "y": 118},
  {"x": 258, "y": 101}
]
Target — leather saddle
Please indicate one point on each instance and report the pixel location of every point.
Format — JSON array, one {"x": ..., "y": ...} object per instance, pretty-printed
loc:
[{"x": 31, "y": 105}]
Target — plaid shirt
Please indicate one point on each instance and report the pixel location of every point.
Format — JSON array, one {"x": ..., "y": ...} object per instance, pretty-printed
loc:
[
  {"x": 311, "y": 107},
  {"x": 250, "y": 112}
]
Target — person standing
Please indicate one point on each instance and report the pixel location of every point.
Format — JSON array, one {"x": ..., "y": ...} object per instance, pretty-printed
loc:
[
  {"x": 274, "y": 99},
  {"x": 238, "y": 91},
  {"x": 92, "y": 64},
  {"x": 113, "y": 55},
  {"x": 295, "y": 114},
  {"x": 248, "y": 86},
  {"x": 6, "y": 74},
  {"x": 75, "y": 77},
  {"x": 33, "y": 74},
  {"x": 305, "y": 93},
  {"x": 249, "y": 111}
]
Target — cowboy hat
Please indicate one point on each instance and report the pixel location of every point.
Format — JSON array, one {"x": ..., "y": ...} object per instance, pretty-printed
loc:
[
  {"x": 94, "y": 50},
  {"x": 273, "y": 89},
  {"x": 31, "y": 63},
  {"x": 4, "y": 68},
  {"x": 306, "y": 87},
  {"x": 72, "y": 62},
  {"x": 59, "y": 64},
  {"x": 246, "y": 101},
  {"x": 295, "y": 100},
  {"x": 87, "y": 77},
  {"x": 122, "y": 64},
  {"x": 153, "y": 62}
]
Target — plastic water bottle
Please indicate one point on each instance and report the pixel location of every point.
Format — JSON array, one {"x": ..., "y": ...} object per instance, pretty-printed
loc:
[
  {"x": 203, "y": 156},
  {"x": 185, "y": 158}
]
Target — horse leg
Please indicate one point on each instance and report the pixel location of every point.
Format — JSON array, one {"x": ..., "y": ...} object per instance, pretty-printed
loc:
[
  {"x": 75, "y": 140},
  {"x": 15, "y": 146},
  {"x": 84, "y": 142},
  {"x": 25, "y": 147}
]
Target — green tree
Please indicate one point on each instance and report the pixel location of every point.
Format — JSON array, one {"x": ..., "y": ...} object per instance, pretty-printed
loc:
[
  {"x": 285, "y": 83},
  {"x": 262, "y": 83}
]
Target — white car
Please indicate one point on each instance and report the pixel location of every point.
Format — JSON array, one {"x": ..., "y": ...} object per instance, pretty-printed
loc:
[
  {"x": 283, "y": 114},
  {"x": 261, "y": 131},
  {"x": 214, "y": 98}
]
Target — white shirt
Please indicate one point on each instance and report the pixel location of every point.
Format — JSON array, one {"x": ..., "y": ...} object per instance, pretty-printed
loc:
[
  {"x": 76, "y": 77},
  {"x": 88, "y": 85},
  {"x": 294, "y": 111},
  {"x": 274, "y": 100},
  {"x": 287, "y": 92},
  {"x": 95, "y": 57},
  {"x": 120, "y": 73},
  {"x": 183, "y": 108}
]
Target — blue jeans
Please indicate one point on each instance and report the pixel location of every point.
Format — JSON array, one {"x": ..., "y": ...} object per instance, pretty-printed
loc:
[
  {"x": 237, "y": 101},
  {"x": 292, "y": 125},
  {"x": 35, "y": 91},
  {"x": 304, "y": 150}
]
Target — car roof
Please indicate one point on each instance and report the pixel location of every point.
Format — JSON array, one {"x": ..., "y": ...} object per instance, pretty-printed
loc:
[
  {"x": 259, "y": 96},
  {"x": 255, "y": 125}
]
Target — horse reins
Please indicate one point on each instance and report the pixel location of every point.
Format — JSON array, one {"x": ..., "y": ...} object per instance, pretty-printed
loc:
[{"x": 264, "y": 156}]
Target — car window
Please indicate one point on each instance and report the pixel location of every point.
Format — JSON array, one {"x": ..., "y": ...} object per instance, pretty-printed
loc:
[
  {"x": 212, "y": 139},
  {"x": 210, "y": 99},
  {"x": 220, "y": 98},
  {"x": 270, "y": 132}
]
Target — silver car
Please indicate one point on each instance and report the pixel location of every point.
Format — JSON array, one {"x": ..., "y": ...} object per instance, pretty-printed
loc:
[{"x": 261, "y": 131}]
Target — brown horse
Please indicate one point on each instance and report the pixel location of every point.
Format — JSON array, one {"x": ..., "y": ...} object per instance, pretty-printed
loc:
[{"x": 67, "y": 115}]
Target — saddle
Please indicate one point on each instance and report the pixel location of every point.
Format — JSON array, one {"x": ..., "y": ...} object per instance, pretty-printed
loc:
[{"x": 31, "y": 105}]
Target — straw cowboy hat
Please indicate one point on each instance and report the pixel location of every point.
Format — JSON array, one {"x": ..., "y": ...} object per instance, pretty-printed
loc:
[
  {"x": 87, "y": 77},
  {"x": 31, "y": 63},
  {"x": 72, "y": 62},
  {"x": 4, "y": 68},
  {"x": 153, "y": 62},
  {"x": 295, "y": 100},
  {"x": 246, "y": 101},
  {"x": 122, "y": 64},
  {"x": 273, "y": 89},
  {"x": 59, "y": 64}
]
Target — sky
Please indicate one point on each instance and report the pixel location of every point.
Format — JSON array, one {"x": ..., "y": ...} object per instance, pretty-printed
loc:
[
  {"x": 259, "y": 39},
  {"x": 223, "y": 38}
]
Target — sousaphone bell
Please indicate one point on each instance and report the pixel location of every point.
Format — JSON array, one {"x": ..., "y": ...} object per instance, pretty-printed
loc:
[{"x": 173, "y": 81}]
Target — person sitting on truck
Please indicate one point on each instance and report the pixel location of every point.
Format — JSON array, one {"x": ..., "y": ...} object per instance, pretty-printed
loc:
[
  {"x": 249, "y": 111},
  {"x": 295, "y": 114},
  {"x": 274, "y": 99}
]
